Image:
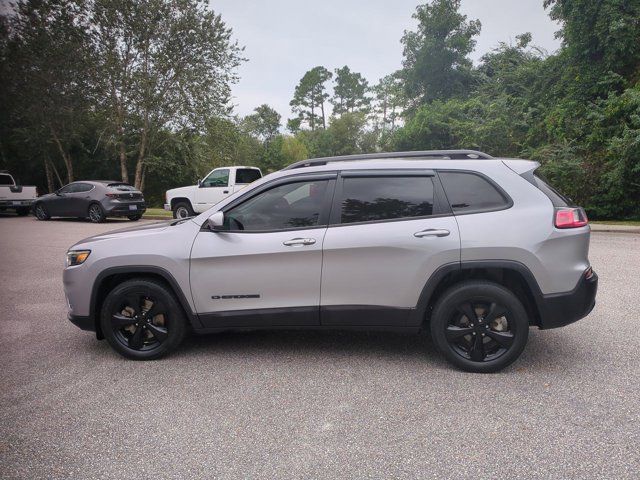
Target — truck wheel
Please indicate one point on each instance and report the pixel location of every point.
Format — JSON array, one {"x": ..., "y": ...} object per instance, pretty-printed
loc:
[
  {"x": 22, "y": 212},
  {"x": 96, "y": 213},
  {"x": 142, "y": 320},
  {"x": 183, "y": 210},
  {"x": 479, "y": 326},
  {"x": 41, "y": 212}
]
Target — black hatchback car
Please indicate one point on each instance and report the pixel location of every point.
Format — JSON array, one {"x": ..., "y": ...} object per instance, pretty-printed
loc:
[{"x": 95, "y": 200}]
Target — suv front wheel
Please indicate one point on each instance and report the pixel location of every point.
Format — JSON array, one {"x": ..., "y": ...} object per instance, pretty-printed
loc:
[
  {"x": 142, "y": 320},
  {"x": 479, "y": 326}
]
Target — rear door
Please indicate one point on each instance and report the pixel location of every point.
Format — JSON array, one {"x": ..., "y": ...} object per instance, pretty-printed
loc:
[
  {"x": 78, "y": 199},
  {"x": 389, "y": 232}
]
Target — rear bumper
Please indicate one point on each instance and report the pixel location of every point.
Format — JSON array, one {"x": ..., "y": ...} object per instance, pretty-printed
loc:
[
  {"x": 558, "y": 310},
  {"x": 84, "y": 323},
  {"x": 123, "y": 209},
  {"x": 16, "y": 203}
]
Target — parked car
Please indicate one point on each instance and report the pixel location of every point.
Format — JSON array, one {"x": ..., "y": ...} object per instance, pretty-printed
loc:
[
  {"x": 15, "y": 197},
  {"x": 218, "y": 184},
  {"x": 472, "y": 248},
  {"x": 95, "y": 200}
]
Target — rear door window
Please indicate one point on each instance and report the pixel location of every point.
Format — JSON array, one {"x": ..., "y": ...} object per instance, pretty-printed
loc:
[
  {"x": 469, "y": 192},
  {"x": 247, "y": 175},
  {"x": 379, "y": 198},
  {"x": 6, "y": 180},
  {"x": 82, "y": 187}
]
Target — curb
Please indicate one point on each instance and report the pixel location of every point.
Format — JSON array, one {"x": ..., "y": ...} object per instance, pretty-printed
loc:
[{"x": 614, "y": 229}]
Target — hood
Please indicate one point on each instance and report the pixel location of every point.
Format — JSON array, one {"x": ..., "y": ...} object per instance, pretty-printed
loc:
[
  {"x": 150, "y": 229},
  {"x": 180, "y": 191}
]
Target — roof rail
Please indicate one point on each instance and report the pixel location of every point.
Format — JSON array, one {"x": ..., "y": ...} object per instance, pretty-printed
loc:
[{"x": 444, "y": 154}]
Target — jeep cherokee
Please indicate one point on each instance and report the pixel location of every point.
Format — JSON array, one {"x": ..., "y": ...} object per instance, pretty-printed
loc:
[{"x": 474, "y": 249}]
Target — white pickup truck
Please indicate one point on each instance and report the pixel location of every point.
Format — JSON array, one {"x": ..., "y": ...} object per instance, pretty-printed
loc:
[
  {"x": 15, "y": 197},
  {"x": 219, "y": 183}
]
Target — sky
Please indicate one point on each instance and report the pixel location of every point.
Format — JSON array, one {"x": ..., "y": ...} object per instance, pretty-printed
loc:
[{"x": 285, "y": 38}]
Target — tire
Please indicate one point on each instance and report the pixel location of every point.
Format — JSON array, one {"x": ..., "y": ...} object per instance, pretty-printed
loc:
[
  {"x": 22, "y": 212},
  {"x": 182, "y": 210},
  {"x": 135, "y": 334},
  {"x": 479, "y": 326},
  {"x": 41, "y": 212},
  {"x": 96, "y": 213},
  {"x": 134, "y": 218}
]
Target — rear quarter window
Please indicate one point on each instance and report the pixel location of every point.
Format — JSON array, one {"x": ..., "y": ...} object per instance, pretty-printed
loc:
[
  {"x": 247, "y": 175},
  {"x": 470, "y": 192},
  {"x": 557, "y": 199}
]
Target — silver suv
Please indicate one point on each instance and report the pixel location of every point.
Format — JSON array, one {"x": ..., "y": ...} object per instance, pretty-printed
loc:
[{"x": 472, "y": 248}]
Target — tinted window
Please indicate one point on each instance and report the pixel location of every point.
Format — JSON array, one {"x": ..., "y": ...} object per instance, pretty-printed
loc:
[
  {"x": 369, "y": 199},
  {"x": 247, "y": 175},
  {"x": 468, "y": 192},
  {"x": 217, "y": 178},
  {"x": 5, "y": 180},
  {"x": 82, "y": 187},
  {"x": 294, "y": 205},
  {"x": 557, "y": 199}
]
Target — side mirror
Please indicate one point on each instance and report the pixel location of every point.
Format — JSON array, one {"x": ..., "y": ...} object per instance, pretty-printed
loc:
[
  {"x": 57, "y": 192},
  {"x": 199, "y": 183},
  {"x": 215, "y": 222}
]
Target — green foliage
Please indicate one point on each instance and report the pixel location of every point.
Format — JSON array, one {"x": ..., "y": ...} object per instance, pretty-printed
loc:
[
  {"x": 309, "y": 96},
  {"x": 436, "y": 63},
  {"x": 264, "y": 124},
  {"x": 349, "y": 92}
]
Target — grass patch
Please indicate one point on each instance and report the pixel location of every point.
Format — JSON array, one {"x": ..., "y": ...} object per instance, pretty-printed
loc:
[
  {"x": 158, "y": 212},
  {"x": 630, "y": 223}
]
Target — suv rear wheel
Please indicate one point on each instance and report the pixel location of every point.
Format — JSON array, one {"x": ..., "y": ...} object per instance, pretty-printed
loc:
[
  {"x": 142, "y": 320},
  {"x": 479, "y": 326}
]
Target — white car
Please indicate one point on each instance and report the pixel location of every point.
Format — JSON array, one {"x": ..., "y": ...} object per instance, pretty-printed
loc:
[
  {"x": 218, "y": 184},
  {"x": 15, "y": 197}
]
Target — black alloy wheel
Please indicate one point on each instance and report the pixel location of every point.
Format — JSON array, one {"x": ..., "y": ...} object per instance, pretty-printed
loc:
[
  {"x": 142, "y": 320},
  {"x": 96, "y": 214},
  {"x": 480, "y": 326},
  {"x": 41, "y": 212}
]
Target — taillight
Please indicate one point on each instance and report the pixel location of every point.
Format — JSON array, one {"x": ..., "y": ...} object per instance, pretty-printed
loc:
[
  {"x": 571, "y": 218},
  {"x": 112, "y": 195}
]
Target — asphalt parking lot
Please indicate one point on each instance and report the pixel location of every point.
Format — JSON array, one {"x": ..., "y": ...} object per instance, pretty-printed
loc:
[{"x": 308, "y": 404}]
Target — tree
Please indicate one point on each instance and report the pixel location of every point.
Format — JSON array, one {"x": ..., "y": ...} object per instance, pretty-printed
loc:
[
  {"x": 349, "y": 91},
  {"x": 162, "y": 63},
  {"x": 47, "y": 57},
  {"x": 436, "y": 65},
  {"x": 310, "y": 95},
  {"x": 264, "y": 124},
  {"x": 390, "y": 101}
]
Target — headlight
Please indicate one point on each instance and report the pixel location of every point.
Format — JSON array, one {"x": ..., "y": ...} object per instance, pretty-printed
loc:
[{"x": 77, "y": 257}]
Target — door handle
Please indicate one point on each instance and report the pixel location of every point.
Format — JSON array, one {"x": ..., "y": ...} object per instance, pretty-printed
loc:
[
  {"x": 432, "y": 232},
  {"x": 299, "y": 242},
  {"x": 225, "y": 191}
]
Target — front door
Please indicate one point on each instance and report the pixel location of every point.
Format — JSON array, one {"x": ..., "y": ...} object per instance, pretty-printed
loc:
[
  {"x": 264, "y": 268},
  {"x": 212, "y": 189},
  {"x": 388, "y": 234}
]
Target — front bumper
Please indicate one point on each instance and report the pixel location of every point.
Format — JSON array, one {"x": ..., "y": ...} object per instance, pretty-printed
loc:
[
  {"x": 167, "y": 207},
  {"x": 560, "y": 309},
  {"x": 84, "y": 323}
]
